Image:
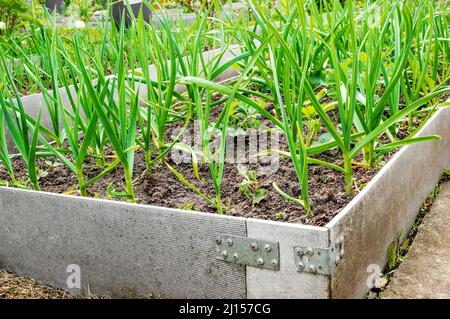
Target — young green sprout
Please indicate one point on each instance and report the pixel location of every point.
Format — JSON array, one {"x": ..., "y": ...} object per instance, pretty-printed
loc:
[{"x": 250, "y": 187}]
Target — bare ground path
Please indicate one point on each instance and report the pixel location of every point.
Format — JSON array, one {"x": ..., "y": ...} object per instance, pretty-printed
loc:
[{"x": 425, "y": 272}]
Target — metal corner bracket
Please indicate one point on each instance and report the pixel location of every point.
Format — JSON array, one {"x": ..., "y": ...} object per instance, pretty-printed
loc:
[
  {"x": 247, "y": 251},
  {"x": 319, "y": 260}
]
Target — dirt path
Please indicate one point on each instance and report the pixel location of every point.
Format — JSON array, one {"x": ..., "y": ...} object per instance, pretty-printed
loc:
[{"x": 425, "y": 272}]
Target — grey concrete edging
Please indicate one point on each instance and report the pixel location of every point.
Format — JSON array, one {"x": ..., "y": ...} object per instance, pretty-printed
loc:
[
  {"x": 388, "y": 205},
  {"x": 120, "y": 250}
]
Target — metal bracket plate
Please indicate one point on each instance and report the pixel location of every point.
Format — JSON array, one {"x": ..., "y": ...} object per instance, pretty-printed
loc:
[
  {"x": 319, "y": 260},
  {"x": 248, "y": 251}
]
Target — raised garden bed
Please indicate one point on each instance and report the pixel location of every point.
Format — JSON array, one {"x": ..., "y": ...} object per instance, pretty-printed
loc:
[
  {"x": 29, "y": 102},
  {"x": 333, "y": 137},
  {"x": 188, "y": 18},
  {"x": 128, "y": 249}
]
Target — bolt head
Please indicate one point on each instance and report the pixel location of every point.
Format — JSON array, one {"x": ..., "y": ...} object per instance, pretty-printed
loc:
[
  {"x": 230, "y": 242},
  {"x": 309, "y": 251},
  {"x": 225, "y": 254},
  {"x": 254, "y": 246},
  {"x": 274, "y": 262},
  {"x": 312, "y": 268},
  {"x": 267, "y": 248},
  {"x": 260, "y": 261},
  {"x": 235, "y": 257},
  {"x": 299, "y": 252},
  {"x": 300, "y": 266},
  {"x": 218, "y": 240}
]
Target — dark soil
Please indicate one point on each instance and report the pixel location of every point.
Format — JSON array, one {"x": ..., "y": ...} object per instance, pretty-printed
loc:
[{"x": 162, "y": 187}]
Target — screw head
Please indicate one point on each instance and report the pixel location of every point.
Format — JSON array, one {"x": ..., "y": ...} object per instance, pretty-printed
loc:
[
  {"x": 267, "y": 248},
  {"x": 224, "y": 254},
  {"x": 260, "y": 261},
  {"x": 300, "y": 266},
  {"x": 309, "y": 251},
  {"x": 337, "y": 260},
  {"x": 235, "y": 257},
  {"x": 218, "y": 240},
  {"x": 312, "y": 268},
  {"x": 254, "y": 246},
  {"x": 230, "y": 242},
  {"x": 274, "y": 262},
  {"x": 299, "y": 252}
]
